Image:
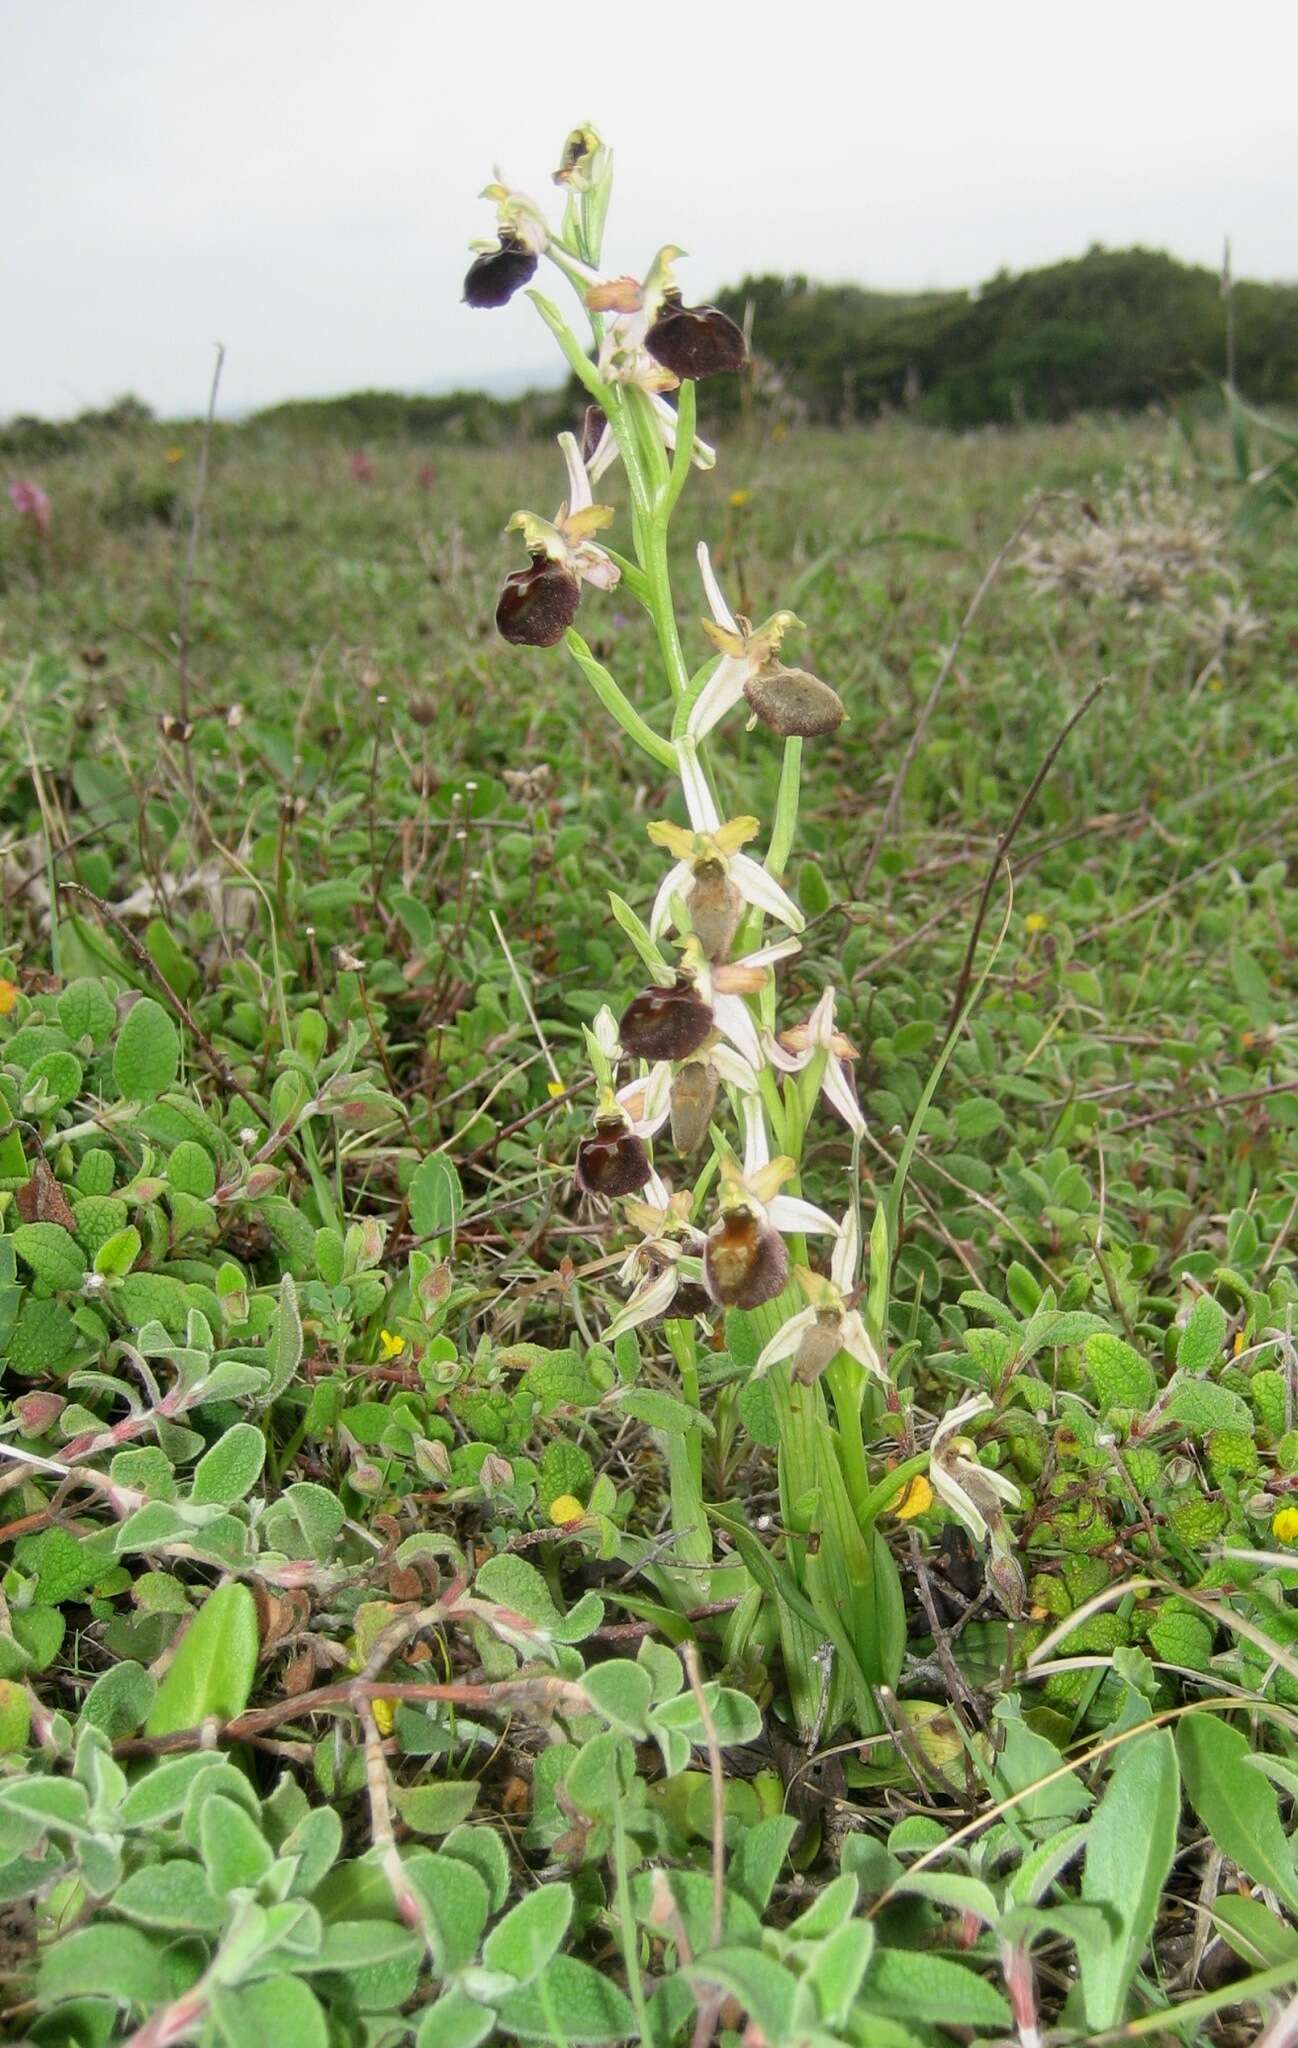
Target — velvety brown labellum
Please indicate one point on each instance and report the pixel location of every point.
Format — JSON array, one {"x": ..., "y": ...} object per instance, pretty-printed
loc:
[
  {"x": 794, "y": 703},
  {"x": 613, "y": 1162},
  {"x": 695, "y": 341},
  {"x": 715, "y": 907},
  {"x": 819, "y": 1346},
  {"x": 693, "y": 1099},
  {"x": 538, "y": 605},
  {"x": 745, "y": 1262},
  {"x": 665, "y": 1023},
  {"x": 494, "y": 277}
]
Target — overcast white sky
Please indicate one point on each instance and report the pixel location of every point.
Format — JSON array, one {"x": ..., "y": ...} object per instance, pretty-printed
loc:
[{"x": 297, "y": 178}]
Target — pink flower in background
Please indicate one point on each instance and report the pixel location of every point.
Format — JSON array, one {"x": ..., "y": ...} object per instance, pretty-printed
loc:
[
  {"x": 427, "y": 477},
  {"x": 30, "y": 502},
  {"x": 362, "y": 468}
]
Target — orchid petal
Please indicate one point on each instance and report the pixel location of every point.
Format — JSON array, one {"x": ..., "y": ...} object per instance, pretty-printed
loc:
[
  {"x": 790, "y": 1212},
  {"x": 723, "y": 689},
  {"x": 702, "y": 810},
  {"x": 766, "y": 956},
  {"x": 950, "y": 1424},
  {"x": 717, "y": 605},
  {"x": 673, "y": 883},
  {"x": 732, "y": 1017},
  {"x": 605, "y": 454},
  {"x": 649, "y": 1300},
  {"x": 734, "y": 1068},
  {"x": 785, "y": 1341},
  {"x": 842, "y": 1267},
  {"x": 579, "y": 492},
  {"x": 779, "y": 1056},
  {"x": 856, "y": 1343},
  {"x": 761, "y": 889},
  {"x": 956, "y": 1500},
  {"x": 838, "y": 1089}
]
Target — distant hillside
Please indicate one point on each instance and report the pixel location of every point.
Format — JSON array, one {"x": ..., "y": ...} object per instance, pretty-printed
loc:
[{"x": 1114, "y": 329}]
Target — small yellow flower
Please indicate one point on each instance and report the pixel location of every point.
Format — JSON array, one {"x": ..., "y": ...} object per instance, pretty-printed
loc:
[
  {"x": 566, "y": 1508},
  {"x": 1239, "y": 1343},
  {"x": 1034, "y": 922},
  {"x": 1284, "y": 1525},
  {"x": 390, "y": 1345},
  {"x": 916, "y": 1499},
  {"x": 385, "y": 1715},
  {"x": 174, "y": 455},
  {"x": 779, "y": 431},
  {"x": 738, "y": 499},
  {"x": 8, "y": 996},
  {"x": 555, "y": 1089}
]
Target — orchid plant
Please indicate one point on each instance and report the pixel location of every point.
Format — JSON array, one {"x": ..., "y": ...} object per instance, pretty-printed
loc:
[{"x": 699, "y": 1052}]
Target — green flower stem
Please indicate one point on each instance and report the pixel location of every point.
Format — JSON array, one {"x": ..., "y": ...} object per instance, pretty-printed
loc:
[
  {"x": 578, "y": 361},
  {"x": 890, "y": 1486},
  {"x": 618, "y": 704},
  {"x": 686, "y": 409},
  {"x": 786, "y": 810}
]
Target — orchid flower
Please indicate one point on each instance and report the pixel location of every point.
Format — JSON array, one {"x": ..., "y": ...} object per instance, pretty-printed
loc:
[
  {"x": 505, "y": 266},
  {"x": 746, "y": 1262},
  {"x": 715, "y": 880},
  {"x": 972, "y": 1491},
  {"x": 706, "y": 997},
  {"x": 614, "y": 1160},
  {"x": 830, "y": 1323},
  {"x": 655, "y": 1264},
  {"x": 539, "y": 603},
  {"x": 795, "y": 1049},
  {"x": 791, "y": 701},
  {"x": 695, "y": 1084}
]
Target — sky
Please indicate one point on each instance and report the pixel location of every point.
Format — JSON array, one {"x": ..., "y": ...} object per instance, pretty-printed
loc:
[{"x": 297, "y": 179}]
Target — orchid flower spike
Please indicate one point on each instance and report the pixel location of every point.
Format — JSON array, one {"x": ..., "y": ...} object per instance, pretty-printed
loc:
[
  {"x": 715, "y": 880},
  {"x": 790, "y": 701},
  {"x": 505, "y": 266},
  {"x": 538, "y": 604},
  {"x": 795, "y": 1049},
  {"x": 664, "y": 1264},
  {"x": 830, "y": 1322},
  {"x": 973, "y": 1492},
  {"x": 746, "y": 1261}
]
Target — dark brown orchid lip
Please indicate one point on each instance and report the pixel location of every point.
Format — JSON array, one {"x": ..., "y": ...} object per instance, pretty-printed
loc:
[
  {"x": 695, "y": 341},
  {"x": 538, "y": 604},
  {"x": 612, "y": 1162},
  {"x": 593, "y": 422},
  {"x": 665, "y": 1023},
  {"x": 794, "y": 703},
  {"x": 494, "y": 276},
  {"x": 745, "y": 1262}
]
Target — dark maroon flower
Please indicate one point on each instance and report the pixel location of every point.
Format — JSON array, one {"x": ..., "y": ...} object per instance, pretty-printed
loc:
[
  {"x": 497, "y": 274},
  {"x": 745, "y": 1262},
  {"x": 538, "y": 604},
  {"x": 695, "y": 341},
  {"x": 612, "y": 1162},
  {"x": 665, "y": 1023}
]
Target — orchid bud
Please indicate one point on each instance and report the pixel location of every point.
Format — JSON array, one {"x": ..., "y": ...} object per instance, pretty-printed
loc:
[
  {"x": 537, "y": 605},
  {"x": 695, "y": 341},
  {"x": 38, "y": 1412},
  {"x": 693, "y": 1099},
  {"x": 584, "y": 160},
  {"x": 495, "y": 275},
  {"x": 793, "y": 703},
  {"x": 665, "y": 1023},
  {"x": 745, "y": 1262},
  {"x": 612, "y": 1162}
]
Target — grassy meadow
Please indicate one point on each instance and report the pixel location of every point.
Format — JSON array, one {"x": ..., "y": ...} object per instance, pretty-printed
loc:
[{"x": 305, "y": 877}]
